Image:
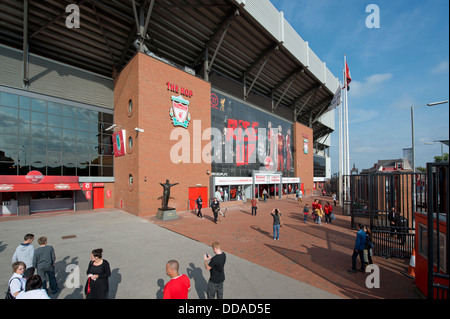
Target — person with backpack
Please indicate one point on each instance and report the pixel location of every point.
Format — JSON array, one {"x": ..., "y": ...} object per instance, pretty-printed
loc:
[{"x": 17, "y": 282}]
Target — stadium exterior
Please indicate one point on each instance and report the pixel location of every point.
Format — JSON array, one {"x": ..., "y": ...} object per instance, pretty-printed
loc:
[{"x": 99, "y": 109}]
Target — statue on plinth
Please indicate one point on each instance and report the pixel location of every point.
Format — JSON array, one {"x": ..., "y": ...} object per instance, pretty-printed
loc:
[{"x": 166, "y": 194}]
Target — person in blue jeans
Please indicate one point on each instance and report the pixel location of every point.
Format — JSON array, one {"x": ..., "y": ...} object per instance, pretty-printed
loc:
[
  {"x": 360, "y": 244},
  {"x": 305, "y": 212},
  {"x": 276, "y": 223}
]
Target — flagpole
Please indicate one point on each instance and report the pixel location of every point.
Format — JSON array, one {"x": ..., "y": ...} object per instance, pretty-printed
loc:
[
  {"x": 347, "y": 133},
  {"x": 344, "y": 140},
  {"x": 340, "y": 148}
]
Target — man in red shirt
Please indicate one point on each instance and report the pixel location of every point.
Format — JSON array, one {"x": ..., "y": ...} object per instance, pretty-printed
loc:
[{"x": 179, "y": 285}]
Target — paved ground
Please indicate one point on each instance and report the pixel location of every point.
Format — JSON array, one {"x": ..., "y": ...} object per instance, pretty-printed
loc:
[
  {"x": 309, "y": 261},
  {"x": 318, "y": 255},
  {"x": 137, "y": 250}
]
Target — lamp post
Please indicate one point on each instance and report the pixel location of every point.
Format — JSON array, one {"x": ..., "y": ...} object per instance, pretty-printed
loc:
[{"x": 412, "y": 130}]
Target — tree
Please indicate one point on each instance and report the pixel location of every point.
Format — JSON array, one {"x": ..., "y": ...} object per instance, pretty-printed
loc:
[{"x": 439, "y": 159}]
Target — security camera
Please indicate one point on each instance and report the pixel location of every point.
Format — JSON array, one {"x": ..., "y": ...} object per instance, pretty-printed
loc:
[{"x": 139, "y": 130}]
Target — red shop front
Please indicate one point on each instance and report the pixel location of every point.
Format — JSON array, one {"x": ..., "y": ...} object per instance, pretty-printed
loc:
[{"x": 34, "y": 193}]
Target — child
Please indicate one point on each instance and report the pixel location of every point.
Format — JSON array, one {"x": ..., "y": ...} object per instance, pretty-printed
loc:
[{"x": 305, "y": 212}]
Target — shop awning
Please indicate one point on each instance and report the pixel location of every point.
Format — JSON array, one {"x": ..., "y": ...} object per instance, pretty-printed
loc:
[{"x": 9, "y": 188}]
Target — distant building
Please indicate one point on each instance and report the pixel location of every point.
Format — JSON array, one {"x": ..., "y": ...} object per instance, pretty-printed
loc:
[{"x": 391, "y": 165}]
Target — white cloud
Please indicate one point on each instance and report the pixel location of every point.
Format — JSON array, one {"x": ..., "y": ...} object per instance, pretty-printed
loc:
[
  {"x": 371, "y": 85},
  {"x": 443, "y": 67},
  {"x": 403, "y": 102},
  {"x": 359, "y": 115}
]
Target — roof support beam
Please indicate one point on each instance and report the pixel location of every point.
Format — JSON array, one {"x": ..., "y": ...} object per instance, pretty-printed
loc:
[
  {"x": 79, "y": 3},
  {"x": 266, "y": 53},
  {"x": 208, "y": 65},
  {"x": 322, "y": 111},
  {"x": 141, "y": 25},
  {"x": 25, "y": 44},
  {"x": 108, "y": 46},
  {"x": 294, "y": 76},
  {"x": 313, "y": 92},
  {"x": 204, "y": 55},
  {"x": 267, "y": 57}
]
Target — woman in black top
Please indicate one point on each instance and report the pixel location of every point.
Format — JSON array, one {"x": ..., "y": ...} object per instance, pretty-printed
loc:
[{"x": 97, "y": 285}]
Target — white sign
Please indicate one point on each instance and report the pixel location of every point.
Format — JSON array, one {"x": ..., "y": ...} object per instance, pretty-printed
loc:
[{"x": 224, "y": 181}]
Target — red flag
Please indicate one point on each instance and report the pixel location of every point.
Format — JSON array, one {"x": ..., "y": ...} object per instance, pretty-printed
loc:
[{"x": 348, "y": 76}]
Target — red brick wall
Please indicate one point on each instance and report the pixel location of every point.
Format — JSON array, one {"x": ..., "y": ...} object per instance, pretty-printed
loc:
[
  {"x": 144, "y": 80},
  {"x": 304, "y": 163}
]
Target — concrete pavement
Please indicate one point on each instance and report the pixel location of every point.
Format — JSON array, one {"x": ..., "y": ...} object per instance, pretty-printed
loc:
[{"x": 137, "y": 250}]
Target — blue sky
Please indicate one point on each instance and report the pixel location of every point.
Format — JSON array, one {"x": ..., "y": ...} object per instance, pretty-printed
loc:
[{"x": 405, "y": 62}]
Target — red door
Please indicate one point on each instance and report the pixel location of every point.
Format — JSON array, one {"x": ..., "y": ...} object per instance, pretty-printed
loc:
[
  {"x": 194, "y": 193},
  {"x": 99, "y": 197}
]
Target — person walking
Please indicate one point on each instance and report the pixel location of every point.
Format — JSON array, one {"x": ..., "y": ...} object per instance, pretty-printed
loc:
[
  {"x": 34, "y": 289},
  {"x": 44, "y": 262},
  {"x": 215, "y": 206},
  {"x": 276, "y": 223},
  {"x": 199, "y": 203},
  {"x": 179, "y": 286},
  {"x": 25, "y": 252},
  {"x": 216, "y": 267},
  {"x": 334, "y": 198},
  {"x": 300, "y": 196},
  {"x": 97, "y": 285},
  {"x": 254, "y": 205},
  {"x": 264, "y": 193},
  {"x": 358, "y": 250},
  {"x": 368, "y": 249},
  {"x": 17, "y": 282},
  {"x": 305, "y": 212}
]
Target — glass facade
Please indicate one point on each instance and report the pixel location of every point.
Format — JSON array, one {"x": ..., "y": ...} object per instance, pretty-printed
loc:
[
  {"x": 54, "y": 137},
  {"x": 250, "y": 139},
  {"x": 319, "y": 166}
]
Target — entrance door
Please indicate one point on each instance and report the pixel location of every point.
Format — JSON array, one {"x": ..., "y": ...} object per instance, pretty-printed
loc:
[
  {"x": 194, "y": 193},
  {"x": 99, "y": 198}
]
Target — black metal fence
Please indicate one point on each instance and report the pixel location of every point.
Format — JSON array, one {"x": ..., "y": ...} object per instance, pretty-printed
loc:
[
  {"x": 438, "y": 240},
  {"x": 386, "y": 202}
]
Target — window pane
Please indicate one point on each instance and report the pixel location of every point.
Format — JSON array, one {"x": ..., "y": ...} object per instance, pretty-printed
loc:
[
  {"x": 83, "y": 125},
  {"x": 8, "y": 113},
  {"x": 39, "y": 131},
  {"x": 24, "y": 116},
  {"x": 82, "y": 136},
  {"x": 82, "y": 113},
  {"x": 54, "y": 132},
  {"x": 8, "y": 127},
  {"x": 24, "y": 102},
  {"x": 24, "y": 129},
  {"x": 54, "y": 145},
  {"x": 54, "y": 120},
  {"x": 69, "y": 111},
  {"x": 69, "y": 135},
  {"x": 69, "y": 123},
  {"x": 38, "y": 118},
  {"x": 9, "y": 99},
  {"x": 39, "y": 105},
  {"x": 53, "y": 158},
  {"x": 55, "y": 108}
]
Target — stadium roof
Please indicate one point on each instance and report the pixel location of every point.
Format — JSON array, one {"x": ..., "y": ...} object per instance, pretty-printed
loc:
[{"x": 248, "y": 41}]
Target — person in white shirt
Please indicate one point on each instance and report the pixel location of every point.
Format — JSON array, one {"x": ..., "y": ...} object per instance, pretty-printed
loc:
[
  {"x": 17, "y": 281},
  {"x": 33, "y": 289}
]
